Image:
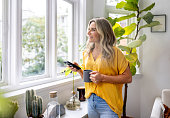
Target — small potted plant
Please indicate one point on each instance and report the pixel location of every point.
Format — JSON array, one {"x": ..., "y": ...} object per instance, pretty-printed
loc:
[
  {"x": 33, "y": 104},
  {"x": 8, "y": 108},
  {"x": 73, "y": 103}
]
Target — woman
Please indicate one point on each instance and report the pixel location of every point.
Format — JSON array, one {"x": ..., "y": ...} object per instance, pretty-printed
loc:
[{"x": 110, "y": 71}]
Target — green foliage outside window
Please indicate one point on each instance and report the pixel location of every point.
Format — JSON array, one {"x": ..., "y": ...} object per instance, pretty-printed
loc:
[
  {"x": 33, "y": 42},
  {"x": 62, "y": 50}
]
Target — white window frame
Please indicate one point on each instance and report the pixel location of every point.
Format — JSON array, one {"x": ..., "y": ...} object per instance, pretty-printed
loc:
[
  {"x": 13, "y": 62},
  {"x": 5, "y": 53}
]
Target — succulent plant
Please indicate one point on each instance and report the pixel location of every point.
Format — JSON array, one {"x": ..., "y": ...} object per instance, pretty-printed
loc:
[
  {"x": 8, "y": 108},
  {"x": 33, "y": 104}
]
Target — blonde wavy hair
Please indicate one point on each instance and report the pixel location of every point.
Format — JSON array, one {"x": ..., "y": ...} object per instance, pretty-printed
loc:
[{"x": 107, "y": 39}]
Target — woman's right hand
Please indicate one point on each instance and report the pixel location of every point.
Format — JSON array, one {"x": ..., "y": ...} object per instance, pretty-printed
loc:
[{"x": 72, "y": 68}]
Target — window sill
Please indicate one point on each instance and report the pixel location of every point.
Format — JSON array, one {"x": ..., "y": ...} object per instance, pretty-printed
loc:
[
  {"x": 137, "y": 76},
  {"x": 22, "y": 88}
]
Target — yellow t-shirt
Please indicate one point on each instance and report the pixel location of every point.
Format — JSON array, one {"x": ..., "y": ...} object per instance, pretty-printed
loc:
[{"x": 111, "y": 93}]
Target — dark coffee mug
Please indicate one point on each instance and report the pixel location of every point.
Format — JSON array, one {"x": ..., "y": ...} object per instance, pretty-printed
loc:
[{"x": 86, "y": 75}]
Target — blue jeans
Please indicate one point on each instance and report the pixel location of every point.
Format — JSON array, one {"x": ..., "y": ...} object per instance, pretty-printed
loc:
[{"x": 98, "y": 108}]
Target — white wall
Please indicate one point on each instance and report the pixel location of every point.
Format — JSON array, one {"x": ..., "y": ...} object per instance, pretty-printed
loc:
[
  {"x": 156, "y": 60},
  {"x": 156, "y": 63},
  {"x": 98, "y": 8},
  {"x": 89, "y": 10},
  {"x": 155, "y": 66},
  {"x": 95, "y": 8}
]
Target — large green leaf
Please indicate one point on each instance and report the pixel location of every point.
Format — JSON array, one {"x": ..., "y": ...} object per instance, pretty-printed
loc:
[
  {"x": 126, "y": 17},
  {"x": 142, "y": 38},
  {"x": 138, "y": 63},
  {"x": 124, "y": 48},
  {"x": 67, "y": 71},
  {"x": 120, "y": 5},
  {"x": 133, "y": 50},
  {"x": 148, "y": 8},
  {"x": 132, "y": 69},
  {"x": 138, "y": 19},
  {"x": 134, "y": 44},
  {"x": 129, "y": 29},
  {"x": 115, "y": 26},
  {"x": 120, "y": 38},
  {"x": 119, "y": 31},
  {"x": 112, "y": 21},
  {"x": 134, "y": 63},
  {"x": 132, "y": 57},
  {"x": 148, "y": 17},
  {"x": 134, "y": 1},
  {"x": 153, "y": 23},
  {"x": 130, "y": 6}
]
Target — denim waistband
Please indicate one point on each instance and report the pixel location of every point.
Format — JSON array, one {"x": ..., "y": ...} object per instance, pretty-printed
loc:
[{"x": 94, "y": 97}]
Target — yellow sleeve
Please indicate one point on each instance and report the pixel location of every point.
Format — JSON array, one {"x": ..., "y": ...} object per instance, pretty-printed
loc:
[{"x": 122, "y": 62}]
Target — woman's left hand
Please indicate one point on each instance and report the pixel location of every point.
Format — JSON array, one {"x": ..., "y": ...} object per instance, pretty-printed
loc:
[{"x": 95, "y": 77}]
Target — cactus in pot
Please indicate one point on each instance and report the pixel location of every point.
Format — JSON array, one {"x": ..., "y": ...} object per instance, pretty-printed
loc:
[
  {"x": 28, "y": 101},
  {"x": 34, "y": 109},
  {"x": 33, "y": 104},
  {"x": 39, "y": 105}
]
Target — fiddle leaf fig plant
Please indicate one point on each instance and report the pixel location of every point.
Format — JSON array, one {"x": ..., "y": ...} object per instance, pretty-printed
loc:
[
  {"x": 135, "y": 40},
  {"x": 125, "y": 32}
]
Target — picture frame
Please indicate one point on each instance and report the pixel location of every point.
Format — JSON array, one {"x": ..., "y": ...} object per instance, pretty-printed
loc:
[{"x": 162, "y": 27}]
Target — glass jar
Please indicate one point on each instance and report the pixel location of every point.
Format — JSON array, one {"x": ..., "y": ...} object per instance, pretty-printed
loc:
[
  {"x": 53, "y": 107},
  {"x": 73, "y": 103}
]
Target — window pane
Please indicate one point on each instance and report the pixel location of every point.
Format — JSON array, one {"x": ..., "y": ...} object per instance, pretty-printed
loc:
[
  {"x": 33, "y": 37},
  {"x": 113, "y": 2},
  {"x": 1, "y": 39},
  {"x": 64, "y": 33}
]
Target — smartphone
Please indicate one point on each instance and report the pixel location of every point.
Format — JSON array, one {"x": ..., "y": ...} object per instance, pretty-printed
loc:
[{"x": 72, "y": 65}]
